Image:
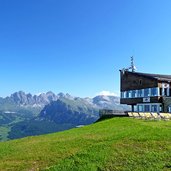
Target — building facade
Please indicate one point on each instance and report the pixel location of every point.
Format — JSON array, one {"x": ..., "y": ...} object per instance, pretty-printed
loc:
[{"x": 145, "y": 92}]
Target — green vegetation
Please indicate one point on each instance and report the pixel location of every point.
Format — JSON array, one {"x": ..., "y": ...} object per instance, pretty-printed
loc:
[
  {"x": 4, "y": 130},
  {"x": 114, "y": 144},
  {"x": 13, "y": 117},
  {"x": 36, "y": 127}
]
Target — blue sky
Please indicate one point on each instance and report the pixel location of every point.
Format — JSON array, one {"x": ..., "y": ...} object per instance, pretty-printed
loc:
[{"x": 78, "y": 46}]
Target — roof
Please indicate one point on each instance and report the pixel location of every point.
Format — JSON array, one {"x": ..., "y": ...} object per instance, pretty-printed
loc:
[{"x": 154, "y": 76}]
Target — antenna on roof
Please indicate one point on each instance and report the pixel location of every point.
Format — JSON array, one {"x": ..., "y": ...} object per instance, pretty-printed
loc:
[{"x": 133, "y": 68}]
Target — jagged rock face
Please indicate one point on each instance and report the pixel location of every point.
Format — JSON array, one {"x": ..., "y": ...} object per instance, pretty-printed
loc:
[
  {"x": 21, "y": 98},
  {"x": 85, "y": 105}
]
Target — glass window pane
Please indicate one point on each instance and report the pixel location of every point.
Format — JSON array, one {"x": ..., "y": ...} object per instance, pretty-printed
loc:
[
  {"x": 169, "y": 109},
  {"x": 140, "y": 108},
  {"x": 146, "y": 92},
  {"x": 146, "y": 108},
  {"x": 140, "y": 93},
  {"x": 135, "y": 108},
  {"x": 133, "y": 93},
  {"x": 122, "y": 94},
  {"x": 154, "y": 108},
  {"x": 153, "y": 91},
  {"x": 160, "y": 108},
  {"x": 130, "y": 94},
  {"x": 127, "y": 94}
]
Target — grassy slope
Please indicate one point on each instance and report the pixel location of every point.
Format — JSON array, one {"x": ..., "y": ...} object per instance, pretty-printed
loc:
[{"x": 115, "y": 144}]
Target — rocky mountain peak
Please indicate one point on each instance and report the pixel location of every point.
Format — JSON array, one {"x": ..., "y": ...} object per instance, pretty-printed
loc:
[{"x": 99, "y": 102}]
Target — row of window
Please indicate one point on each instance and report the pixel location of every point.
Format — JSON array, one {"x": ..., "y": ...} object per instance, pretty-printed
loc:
[
  {"x": 155, "y": 107},
  {"x": 148, "y": 92},
  {"x": 148, "y": 108}
]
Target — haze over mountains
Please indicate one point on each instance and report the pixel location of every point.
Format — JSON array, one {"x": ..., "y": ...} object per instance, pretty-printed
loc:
[{"x": 24, "y": 114}]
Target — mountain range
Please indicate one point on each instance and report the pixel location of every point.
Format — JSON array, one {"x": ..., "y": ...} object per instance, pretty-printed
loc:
[
  {"x": 23, "y": 114},
  {"x": 28, "y": 100}
]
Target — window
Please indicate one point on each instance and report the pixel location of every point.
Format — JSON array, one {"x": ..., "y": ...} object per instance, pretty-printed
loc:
[
  {"x": 133, "y": 93},
  {"x": 140, "y": 108},
  {"x": 122, "y": 94},
  {"x": 140, "y": 93},
  {"x": 135, "y": 108},
  {"x": 127, "y": 94},
  {"x": 165, "y": 91},
  {"x": 154, "y": 92},
  {"x": 169, "y": 109},
  {"x": 146, "y": 108},
  {"x": 146, "y": 92},
  {"x": 143, "y": 93},
  {"x": 154, "y": 108},
  {"x": 130, "y": 94},
  {"x": 168, "y": 91}
]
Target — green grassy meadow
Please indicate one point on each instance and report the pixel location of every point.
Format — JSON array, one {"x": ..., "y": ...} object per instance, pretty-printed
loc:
[{"x": 115, "y": 144}]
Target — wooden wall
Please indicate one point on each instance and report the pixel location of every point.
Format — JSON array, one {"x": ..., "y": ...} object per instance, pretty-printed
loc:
[{"x": 132, "y": 81}]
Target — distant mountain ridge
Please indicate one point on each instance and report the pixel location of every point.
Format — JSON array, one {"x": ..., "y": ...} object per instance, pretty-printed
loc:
[
  {"x": 23, "y": 114},
  {"x": 22, "y": 99}
]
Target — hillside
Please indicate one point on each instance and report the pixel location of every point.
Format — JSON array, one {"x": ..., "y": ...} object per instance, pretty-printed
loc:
[{"x": 114, "y": 144}]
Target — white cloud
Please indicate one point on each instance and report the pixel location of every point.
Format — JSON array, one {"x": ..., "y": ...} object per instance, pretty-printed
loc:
[{"x": 107, "y": 93}]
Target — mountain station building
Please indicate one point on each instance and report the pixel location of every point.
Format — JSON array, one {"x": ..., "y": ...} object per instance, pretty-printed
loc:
[{"x": 145, "y": 92}]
